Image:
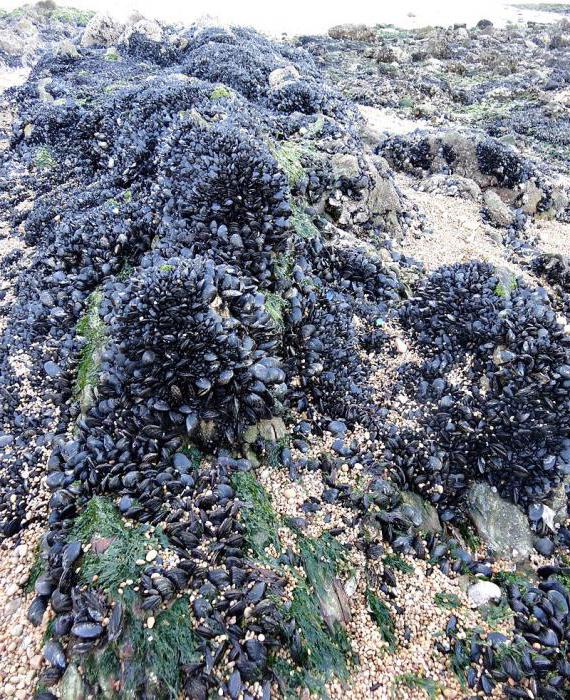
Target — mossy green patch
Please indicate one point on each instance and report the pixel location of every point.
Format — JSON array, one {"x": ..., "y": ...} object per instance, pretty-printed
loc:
[
  {"x": 36, "y": 571},
  {"x": 126, "y": 271},
  {"x": 323, "y": 652},
  {"x": 448, "y": 601},
  {"x": 288, "y": 155},
  {"x": 258, "y": 516},
  {"x": 507, "y": 578},
  {"x": 395, "y": 561},
  {"x": 221, "y": 92},
  {"x": 154, "y": 657},
  {"x": 415, "y": 681},
  {"x": 496, "y": 614},
  {"x": 284, "y": 264},
  {"x": 382, "y": 616},
  {"x": 303, "y": 223},
  {"x": 174, "y": 644},
  {"x": 100, "y": 519},
  {"x": 471, "y": 539},
  {"x": 275, "y": 306},
  {"x": 323, "y": 558},
  {"x": 92, "y": 329},
  {"x": 111, "y": 55},
  {"x": 72, "y": 15},
  {"x": 43, "y": 158},
  {"x": 503, "y": 291}
]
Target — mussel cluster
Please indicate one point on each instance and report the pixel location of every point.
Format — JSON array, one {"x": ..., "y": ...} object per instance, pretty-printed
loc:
[
  {"x": 196, "y": 341},
  {"x": 223, "y": 195},
  {"x": 533, "y": 663},
  {"x": 493, "y": 385}
]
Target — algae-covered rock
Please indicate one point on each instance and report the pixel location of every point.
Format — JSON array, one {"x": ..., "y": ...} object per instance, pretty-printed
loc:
[
  {"x": 422, "y": 514},
  {"x": 502, "y": 525},
  {"x": 270, "y": 430},
  {"x": 72, "y": 687}
]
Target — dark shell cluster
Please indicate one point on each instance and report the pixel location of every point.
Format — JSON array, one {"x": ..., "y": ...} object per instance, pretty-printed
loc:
[
  {"x": 508, "y": 418},
  {"x": 185, "y": 245}
]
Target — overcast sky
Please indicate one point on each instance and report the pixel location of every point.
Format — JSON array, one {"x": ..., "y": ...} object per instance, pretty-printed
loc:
[{"x": 306, "y": 16}]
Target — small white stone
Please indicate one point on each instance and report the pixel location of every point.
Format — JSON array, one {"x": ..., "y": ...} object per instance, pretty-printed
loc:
[
  {"x": 12, "y": 589},
  {"x": 151, "y": 555},
  {"x": 150, "y": 622},
  {"x": 483, "y": 592},
  {"x": 401, "y": 347}
]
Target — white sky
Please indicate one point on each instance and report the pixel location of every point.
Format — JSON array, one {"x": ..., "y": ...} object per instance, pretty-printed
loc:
[{"x": 306, "y": 16}]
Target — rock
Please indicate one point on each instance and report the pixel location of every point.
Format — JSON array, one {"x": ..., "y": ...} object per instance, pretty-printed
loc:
[
  {"x": 497, "y": 211},
  {"x": 334, "y": 603},
  {"x": 6, "y": 440},
  {"x": 483, "y": 592},
  {"x": 401, "y": 346},
  {"x": 356, "y": 32},
  {"x": 51, "y": 369},
  {"x": 384, "y": 197},
  {"x": 422, "y": 514},
  {"x": 72, "y": 684},
  {"x": 270, "y": 430},
  {"x": 558, "y": 503},
  {"x": 282, "y": 76},
  {"x": 12, "y": 589},
  {"x": 11, "y": 44},
  {"x": 345, "y": 165},
  {"x": 67, "y": 49},
  {"x": 499, "y": 523},
  {"x": 101, "y": 30},
  {"x": 531, "y": 196},
  {"x": 337, "y": 427},
  {"x": 43, "y": 93},
  {"x": 544, "y": 546},
  {"x": 145, "y": 27}
]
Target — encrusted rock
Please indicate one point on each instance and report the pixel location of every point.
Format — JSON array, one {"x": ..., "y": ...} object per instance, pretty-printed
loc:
[
  {"x": 422, "y": 514},
  {"x": 101, "y": 30},
  {"x": 502, "y": 525}
]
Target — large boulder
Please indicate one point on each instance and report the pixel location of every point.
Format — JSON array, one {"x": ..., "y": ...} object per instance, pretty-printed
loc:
[
  {"x": 499, "y": 523},
  {"x": 355, "y": 32},
  {"x": 101, "y": 30}
]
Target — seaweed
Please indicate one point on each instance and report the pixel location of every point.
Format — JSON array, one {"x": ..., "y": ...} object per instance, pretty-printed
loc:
[
  {"x": 118, "y": 562},
  {"x": 259, "y": 518},
  {"x": 323, "y": 652},
  {"x": 92, "y": 329},
  {"x": 448, "y": 601},
  {"x": 43, "y": 158},
  {"x": 288, "y": 155},
  {"x": 221, "y": 92},
  {"x": 303, "y": 223},
  {"x": 382, "y": 616},
  {"x": 414, "y": 680},
  {"x": 275, "y": 306},
  {"x": 395, "y": 561}
]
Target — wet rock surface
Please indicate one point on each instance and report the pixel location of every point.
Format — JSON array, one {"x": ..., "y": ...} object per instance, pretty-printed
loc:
[{"x": 265, "y": 443}]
